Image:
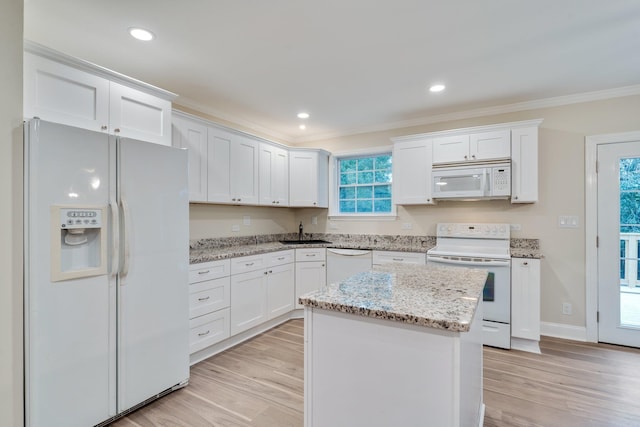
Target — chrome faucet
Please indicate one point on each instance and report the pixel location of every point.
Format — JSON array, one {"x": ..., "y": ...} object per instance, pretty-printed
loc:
[{"x": 300, "y": 232}]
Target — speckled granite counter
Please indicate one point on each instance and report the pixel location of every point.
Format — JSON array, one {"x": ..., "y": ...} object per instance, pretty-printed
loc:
[
  {"x": 525, "y": 248},
  {"x": 440, "y": 298}
]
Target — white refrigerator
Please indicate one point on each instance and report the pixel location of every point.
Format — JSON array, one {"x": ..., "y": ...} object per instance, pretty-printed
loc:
[{"x": 106, "y": 274}]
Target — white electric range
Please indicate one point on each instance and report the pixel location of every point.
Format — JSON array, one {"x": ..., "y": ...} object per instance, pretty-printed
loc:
[{"x": 481, "y": 246}]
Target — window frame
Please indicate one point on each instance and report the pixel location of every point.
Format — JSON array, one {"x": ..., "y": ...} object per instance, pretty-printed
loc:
[{"x": 334, "y": 185}]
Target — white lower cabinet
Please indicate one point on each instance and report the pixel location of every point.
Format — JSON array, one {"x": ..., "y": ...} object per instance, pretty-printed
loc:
[
  {"x": 525, "y": 298},
  {"x": 262, "y": 288},
  {"x": 209, "y": 300},
  {"x": 311, "y": 271}
]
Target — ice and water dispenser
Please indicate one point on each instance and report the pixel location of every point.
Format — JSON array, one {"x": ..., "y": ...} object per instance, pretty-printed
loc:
[{"x": 78, "y": 242}]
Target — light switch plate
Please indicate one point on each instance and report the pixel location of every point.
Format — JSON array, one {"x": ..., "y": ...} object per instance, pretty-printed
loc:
[
  {"x": 568, "y": 221},
  {"x": 235, "y": 227},
  {"x": 246, "y": 220},
  {"x": 516, "y": 227}
]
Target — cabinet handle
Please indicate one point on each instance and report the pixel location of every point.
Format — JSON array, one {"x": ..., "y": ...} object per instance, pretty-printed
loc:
[
  {"x": 314, "y": 203},
  {"x": 322, "y": 265},
  {"x": 239, "y": 200},
  {"x": 525, "y": 263},
  {"x": 117, "y": 130},
  {"x": 474, "y": 156},
  {"x": 233, "y": 200},
  {"x": 203, "y": 299},
  {"x": 270, "y": 271},
  {"x": 266, "y": 273},
  {"x": 249, "y": 264},
  {"x": 280, "y": 258},
  {"x": 310, "y": 255},
  {"x": 516, "y": 197},
  {"x": 398, "y": 259},
  {"x": 428, "y": 200},
  {"x": 204, "y": 333},
  {"x": 466, "y": 157},
  {"x": 103, "y": 127},
  {"x": 204, "y": 272}
]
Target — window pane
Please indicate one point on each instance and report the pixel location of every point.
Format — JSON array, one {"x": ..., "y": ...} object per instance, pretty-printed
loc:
[
  {"x": 365, "y": 164},
  {"x": 630, "y": 174},
  {"x": 365, "y": 206},
  {"x": 382, "y": 205},
  {"x": 623, "y": 245},
  {"x": 383, "y": 162},
  {"x": 347, "y": 178},
  {"x": 365, "y": 192},
  {"x": 365, "y": 177},
  {"x": 347, "y": 193},
  {"x": 383, "y": 176},
  {"x": 348, "y": 165},
  {"x": 382, "y": 191},
  {"x": 348, "y": 206}
]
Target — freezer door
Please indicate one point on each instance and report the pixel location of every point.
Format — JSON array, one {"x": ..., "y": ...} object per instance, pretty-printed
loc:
[
  {"x": 69, "y": 341},
  {"x": 153, "y": 312}
]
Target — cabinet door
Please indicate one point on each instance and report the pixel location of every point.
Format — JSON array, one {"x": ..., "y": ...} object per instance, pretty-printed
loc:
[
  {"x": 308, "y": 179},
  {"x": 248, "y": 300},
  {"x": 524, "y": 165},
  {"x": 193, "y": 136},
  {"x": 280, "y": 290},
  {"x": 218, "y": 165},
  {"x": 412, "y": 172},
  {"x": 490, "y": 145},
  {"x": 448, "y": 149},
  {"x": 310, "y": 276},
  {"x": 244, "y": 171},
  {"x": 525, "y": 298},
  {"x": 62, "y": 94},
  {"x": 138, "y": 115},
  {"x": 274, "y": 176}
]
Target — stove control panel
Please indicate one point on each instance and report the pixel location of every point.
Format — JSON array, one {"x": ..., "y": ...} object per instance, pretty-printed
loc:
[{"x": 473, "y": 230}]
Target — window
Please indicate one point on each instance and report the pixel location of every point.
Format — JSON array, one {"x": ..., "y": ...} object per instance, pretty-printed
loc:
[{"x": 363, "y": 185}]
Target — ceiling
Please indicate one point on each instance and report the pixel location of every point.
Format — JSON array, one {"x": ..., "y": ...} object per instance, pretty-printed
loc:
[{"x": 353, "y": 65}]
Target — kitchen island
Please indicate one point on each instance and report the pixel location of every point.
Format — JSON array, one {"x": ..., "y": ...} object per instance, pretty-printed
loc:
[{"x": 400, "y": 345}]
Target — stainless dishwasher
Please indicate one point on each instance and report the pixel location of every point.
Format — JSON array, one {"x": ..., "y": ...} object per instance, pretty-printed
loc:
[{"x": 342, "y": 263}]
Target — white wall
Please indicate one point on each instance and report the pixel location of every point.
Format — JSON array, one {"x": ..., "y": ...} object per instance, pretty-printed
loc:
[
  {"x": 562, "y": 192},
  {"x": 11, "y": 18}
]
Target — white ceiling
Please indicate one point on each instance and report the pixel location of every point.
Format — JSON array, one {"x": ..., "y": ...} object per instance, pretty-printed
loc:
[{"x": 354, "y": 65}]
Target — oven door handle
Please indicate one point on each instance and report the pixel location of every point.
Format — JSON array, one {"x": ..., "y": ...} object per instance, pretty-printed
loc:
[{"x": 470, "y": 262}]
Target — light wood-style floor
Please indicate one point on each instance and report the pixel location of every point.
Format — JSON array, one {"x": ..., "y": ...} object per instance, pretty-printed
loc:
[{"x": 260, "y": 383}]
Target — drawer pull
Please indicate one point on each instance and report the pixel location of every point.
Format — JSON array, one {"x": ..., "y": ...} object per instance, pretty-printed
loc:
[
  {"x": 311, "y": 255},
  {"x": 204, "y": 272},
  {"x": 525, "y": 263},
  {"x": 249, "y": 264},
  {"x": 202, "y": 334},
  {"x": 280, "y": 258},
  {"x": 203, "y": 299},
  {"x": 398, "y": 259}
]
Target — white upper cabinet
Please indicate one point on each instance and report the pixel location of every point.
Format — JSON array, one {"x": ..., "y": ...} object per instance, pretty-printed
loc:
[
  {"x": 274, "y": 175},
  {"x": 472, "y": 147},
  {"x": 192, "y": 135},
  {"x": 412, "y": 172},
  {"x": 66, "y": 90},
  {"x": 308, "y": 178},
  {"x": 138, "y": 115},
  {"x": 232, "y": 161},
  {"x": 524, "y": 165}
]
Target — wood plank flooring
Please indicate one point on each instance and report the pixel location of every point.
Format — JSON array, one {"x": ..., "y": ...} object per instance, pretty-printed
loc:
[{"x": 260, "y": 383}]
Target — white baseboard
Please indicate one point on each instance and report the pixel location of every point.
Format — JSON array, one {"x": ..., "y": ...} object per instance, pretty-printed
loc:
[
  {"x": 522, "y": 344},
  {"x": 561, "y": 330}
]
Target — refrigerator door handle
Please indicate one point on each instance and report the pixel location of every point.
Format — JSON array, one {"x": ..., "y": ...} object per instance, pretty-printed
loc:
[
  {"x": 115, "y": 223},
  {"x": 125, "y": 238}
]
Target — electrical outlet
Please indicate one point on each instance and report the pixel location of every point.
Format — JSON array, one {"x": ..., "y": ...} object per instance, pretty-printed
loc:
[
  {"x": 246, "y": 220},
  {"x": 516, "y": 227},
  {"x": 407, "y": 226},
  {"x": 235, "y": 228},
  {"x": 333, "y": 226},
  {"x": 567, "y": 309},
  {"x": 314, "y": 220}
]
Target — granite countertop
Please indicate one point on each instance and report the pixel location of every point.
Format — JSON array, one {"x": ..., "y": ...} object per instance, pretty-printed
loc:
[
  {"x": 435, "y": 297},
  {"x": 205, "y": 250}
]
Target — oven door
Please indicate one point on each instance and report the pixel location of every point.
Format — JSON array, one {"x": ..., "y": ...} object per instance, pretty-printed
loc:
[{"x": 496, "y": 295}]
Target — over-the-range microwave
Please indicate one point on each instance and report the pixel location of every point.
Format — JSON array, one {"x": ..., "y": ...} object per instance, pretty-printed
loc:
[{"x": 488, "y": 181}]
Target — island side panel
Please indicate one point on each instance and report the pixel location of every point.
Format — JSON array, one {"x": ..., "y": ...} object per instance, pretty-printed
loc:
[
  {"x": 363, "y": 371},
  {"x": 471, "y": 377}
]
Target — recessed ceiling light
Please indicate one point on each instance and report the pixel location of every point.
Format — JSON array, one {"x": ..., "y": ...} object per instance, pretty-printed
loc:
[
  {"x": 302, "y": 127},
  {"x": 141, "y": 34},
  {"x": 437, "y": 88},
  {"x": 303, "y": 115}
]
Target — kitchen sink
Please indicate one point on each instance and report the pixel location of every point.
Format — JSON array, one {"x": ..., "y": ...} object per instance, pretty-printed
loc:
[{"x": 302, "y": 242}]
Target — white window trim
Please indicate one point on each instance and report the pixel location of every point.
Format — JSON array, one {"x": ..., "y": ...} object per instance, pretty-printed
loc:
[{"x": 334, "y": 212}]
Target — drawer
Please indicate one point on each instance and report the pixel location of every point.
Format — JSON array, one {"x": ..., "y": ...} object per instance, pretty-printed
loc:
[
  {"x": 248, "y": 263},
  {"x": 207, "y": 297},
  {"x": 280, "y": 258},
  {"x": 208, "y": 330},
  {"x": 311, "y": 254},
  {"x": 209, "y": 270},
  {"x": 496, "y": 334},
  {"x": 384, "y": 257}
]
